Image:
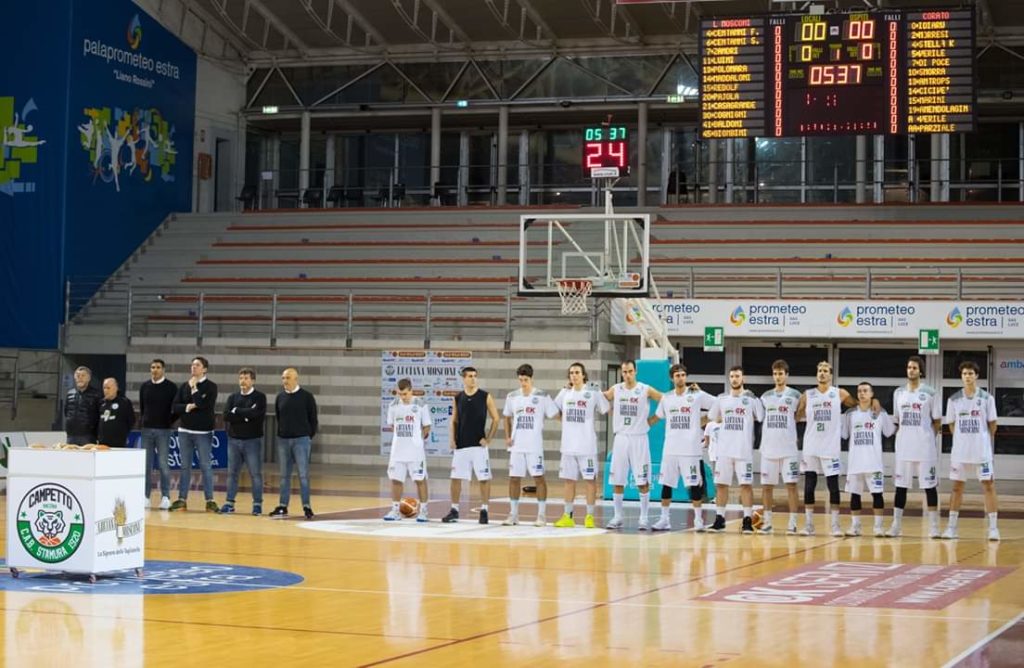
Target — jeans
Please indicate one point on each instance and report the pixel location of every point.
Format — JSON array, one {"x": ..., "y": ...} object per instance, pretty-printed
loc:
[
  {"x": 250, "y": 450},
  {"x": 157, "y": 442},
  {"x": 187, "y": 444},
  {"x": 297, "y": 450}
]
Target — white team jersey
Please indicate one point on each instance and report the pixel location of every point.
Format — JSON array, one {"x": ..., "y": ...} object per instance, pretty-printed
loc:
[
  {"x": 865, "y": 433},
  {"x": 408, "y": 421},
  {"x": 972, "y": 442},
  {"x": 631, "y": 409},
  {"x": 914, "y": 411},
  {"x": 711, "y": 432},
  {"x": 824, "y": 423},
  {"x": 578, "y": 408},
  {"x": 681, "y": 413},
  {"x": 528, "y": 413},
  {"x": 737, "y": 415},
  {"x": 778, "y": 433}
]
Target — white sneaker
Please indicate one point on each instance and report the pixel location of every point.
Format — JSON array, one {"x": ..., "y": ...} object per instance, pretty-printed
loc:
[
  {"x": 853, "y": 532},
  {"x": 422, "y": 517},
  {"x": 950, "y": 533},
  {"x": 393, "y": 515},
  {"x": 145, "y": 504},
  {"x": 879, "y": 532},
  {"x": 165, "y": 503},
  {"x": 934, "y": 532},
  {"x": 663, "y": 524},
  {"x": 993, "y": 533},
  {"x": 791, "y": 530},
  {"x": 766, "y": 530},
  {"x": 642, "y": 525},
  {"x": 896, "y": 530},
  {"x": 837, "y": 531},
  {"x": 808, "y": 530},
  {"x": 699, "y": 526},
  {"x": 540, "y": 522},
  {"x": 510, "y": 521},
  {"x": 615, "y": 523}
]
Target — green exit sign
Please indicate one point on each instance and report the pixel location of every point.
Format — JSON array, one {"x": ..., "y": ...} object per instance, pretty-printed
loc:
[
  {"x": 928, "y": 342},
  {"x": 714, "y": 339}
]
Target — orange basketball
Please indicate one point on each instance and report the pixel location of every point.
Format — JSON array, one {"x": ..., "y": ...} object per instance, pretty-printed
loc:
[
  {"x": 758, "y": 519},
  {"x": 409, "y": 506}
]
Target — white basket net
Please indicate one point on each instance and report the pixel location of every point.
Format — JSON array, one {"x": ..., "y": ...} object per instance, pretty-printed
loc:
[{"x": 574, "y": 293}]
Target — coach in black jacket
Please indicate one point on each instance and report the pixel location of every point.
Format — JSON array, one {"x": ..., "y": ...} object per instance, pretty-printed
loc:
[
  {"x": 244, "y": 414},
  {"x": 296, "y": 427},
  {"x": 117, "y": 416},
  {"x": 82, "y": 409},
  {"x": 194, "y": 407}
]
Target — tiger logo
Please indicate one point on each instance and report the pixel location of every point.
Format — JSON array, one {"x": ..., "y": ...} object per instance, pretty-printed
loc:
[{"x": 50, "y": 525}]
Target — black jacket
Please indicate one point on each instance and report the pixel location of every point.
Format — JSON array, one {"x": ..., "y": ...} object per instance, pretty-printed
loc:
[
  {"x": 117, "y": 416},
  {"x": 244, "y": 414},
  {"x": 296, "y": 414},
  {"x": 155, "y": 402},
  {"x": 82, "y": 412},
  {"x": 204, "y": 397}
]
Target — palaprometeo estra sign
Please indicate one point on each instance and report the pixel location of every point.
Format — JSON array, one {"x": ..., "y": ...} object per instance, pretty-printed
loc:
[{"x": 833, "y": 319}]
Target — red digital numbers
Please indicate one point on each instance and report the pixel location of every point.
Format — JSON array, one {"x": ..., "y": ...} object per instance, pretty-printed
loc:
[
  {"x": 835, "y": 75},
  {"x": 862, "y": 29},
  {"x": 605, "y": 154}
]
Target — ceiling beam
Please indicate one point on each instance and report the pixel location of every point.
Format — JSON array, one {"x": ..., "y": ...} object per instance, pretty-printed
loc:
[
  {"x": 447, "y": 19},
  {"x": 368, "y": 29},
  {"x": 279, "y": 25}
]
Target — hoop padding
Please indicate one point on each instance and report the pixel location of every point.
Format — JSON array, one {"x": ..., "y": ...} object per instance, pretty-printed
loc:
[{"x": 574, "y": 293}]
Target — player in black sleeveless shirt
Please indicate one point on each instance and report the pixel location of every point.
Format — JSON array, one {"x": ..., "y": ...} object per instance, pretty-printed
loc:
[{"x": 469, "y": 442}]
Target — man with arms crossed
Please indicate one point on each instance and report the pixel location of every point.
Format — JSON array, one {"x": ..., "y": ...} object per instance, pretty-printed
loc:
[
  {"x": 468, "y": 443},
  {"x": 630, "y": 449},
  {"x": 244, "y": 414},
  {"x": 524, "y": 412},
  {"x": 578, "y": 404},
  {"x": 737, "y": 410},
  {"x": 410, "y": 421},
  {"x": 779, "y": 454},
  {"x": 918, "y": 415}
]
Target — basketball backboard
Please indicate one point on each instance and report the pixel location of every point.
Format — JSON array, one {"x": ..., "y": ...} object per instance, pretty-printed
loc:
[{"x": 611, "y": 250}]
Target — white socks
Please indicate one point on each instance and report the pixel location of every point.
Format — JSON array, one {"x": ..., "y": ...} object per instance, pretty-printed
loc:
[
  {"x": 645, "y": 504},
  {"x": 617, "y": 500}
]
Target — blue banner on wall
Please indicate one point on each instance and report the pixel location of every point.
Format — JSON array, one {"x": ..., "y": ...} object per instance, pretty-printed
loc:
[{"x": 218, "y": 453}]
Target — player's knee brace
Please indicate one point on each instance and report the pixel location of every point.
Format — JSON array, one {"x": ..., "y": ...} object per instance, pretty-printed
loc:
[
  {"x": 855, "y": 502},
  {"x": 877, "y": 500},
  {"x": 931, "y": 496},
  {"x": 696, "y": 493},
  {"x": 901, "y": 497},
  {"x": 833, "y": 489},
  {"x": 810, "y": 482},
  {"x": 666, "y": 492}
]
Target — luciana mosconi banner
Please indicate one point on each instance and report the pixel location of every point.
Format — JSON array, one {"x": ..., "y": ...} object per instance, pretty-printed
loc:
[{"x": 831, "y": 319}]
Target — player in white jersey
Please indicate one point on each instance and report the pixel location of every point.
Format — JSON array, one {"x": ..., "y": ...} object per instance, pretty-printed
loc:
[
  {"x": 779, "y": 455},
  {"x": 410, "y": 421},
  {"x": 917, "y": 411},
  {"x": 865, "y": 426},
  {"x": 971, "y": 415},
  {"x": 822, "y": 408},
  {"x": 737, "y": 410},
  {"x": 684, "y": 445},
  {"x": 579, "y": 404},
  {"x": 524, "y": 412},
  {"x": 631, "y": 450}
]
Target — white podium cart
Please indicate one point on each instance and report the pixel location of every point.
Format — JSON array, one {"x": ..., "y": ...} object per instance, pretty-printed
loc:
[{"x": 74, "y": 511}]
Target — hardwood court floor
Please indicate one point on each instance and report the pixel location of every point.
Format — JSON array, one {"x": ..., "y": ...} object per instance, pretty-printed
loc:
[{"x": 593, "y": 598}]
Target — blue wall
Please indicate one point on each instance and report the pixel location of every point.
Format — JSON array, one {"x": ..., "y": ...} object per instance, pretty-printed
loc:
[{"x": 115, "y": 98}]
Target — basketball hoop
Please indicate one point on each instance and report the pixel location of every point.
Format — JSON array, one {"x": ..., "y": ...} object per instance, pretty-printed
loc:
[{"x": 574, "y": 293}]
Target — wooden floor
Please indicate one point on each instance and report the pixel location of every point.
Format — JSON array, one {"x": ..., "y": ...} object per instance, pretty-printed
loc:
[{"x": 594, "y": 598}]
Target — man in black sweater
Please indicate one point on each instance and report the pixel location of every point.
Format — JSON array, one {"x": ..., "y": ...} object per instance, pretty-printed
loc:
[
  {"x": 82, "y": 409},
  {"x": 117, "y": 416},
  {"x": 156, "y": 397},
  {"x": 296, "y": 427},
  {"x": 244, "y": 413},
  {"x": 194, "y": 406}
]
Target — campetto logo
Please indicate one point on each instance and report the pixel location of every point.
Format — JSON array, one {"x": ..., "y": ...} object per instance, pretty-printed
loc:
[
  {"x": 50, "y": 523},
  {"x": 954, "y": 318},
  {"x": 845, "y": 317},
  {"x": 134, "y": 33},
  {"x": 738, "y": 317}
]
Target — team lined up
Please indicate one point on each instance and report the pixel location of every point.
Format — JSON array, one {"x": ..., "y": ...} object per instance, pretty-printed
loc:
[{"x": 720, "y": 430}]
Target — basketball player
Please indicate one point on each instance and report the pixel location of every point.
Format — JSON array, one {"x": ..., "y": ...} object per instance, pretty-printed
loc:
[
  {"x": 684, "y": 445},
  {"x": 865, "y": 426},
  {"x": 410, "y": 421},
  {"x": 524, "y": 412},
  {"x": 578, "y": 404},
  {"x": 822, "y": 408},
  {"x": 971, "y": 415},
  {"x": 468, "y": 443},
  {"x": 779, "y": 455},
  {"x": 737, "y": 410},
  {"x": 630, "y": 449},
  {"x": 918, "y": 415}
]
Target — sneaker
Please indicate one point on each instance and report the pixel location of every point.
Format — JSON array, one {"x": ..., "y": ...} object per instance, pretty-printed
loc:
[
  {"x": 392, "y": 516},
  {"x": 808, "y": 530},
  {"x": 837, "y": 531},
  {"x": 280, "y": 511},
  {"x": 178, "y": 505},
  {"x": 483, "y": 517},
  {"x": 718, "y": 526},
  {"x": 589, "y": 523},
  {"x": 257, "y": 509},
  {"x": 934, "y": 533},
  {"x": 510, "y": 521},
  {"x": 540, "y": 522},
  {"x": 308, "y": 512},
  {"x": 145, "y": 504},
  {"x": 227, "y": 508},
  {"x": 950, "y": 533},
  {"x": 853, "y": 532},
  {"x": 699, "y": 526},
  {"x": 896, "y": 530},
  {"x": 879, "y": 532},
  {"x": 165, "y": 503},
  {"x": 643, "y": 525},
  {"x": 614, "y": 523},
  {"x": 452, "y": 516},
  {"x": 565, "y": 521},
  {"x": 663, "y": 524},
  {"x": 767, "y": 530},
  {"x": 993, "y": 533},
  {"x": 791, "y": 530},
  {"x": 748, "y": 525},
  {"x": 211, "y": 506},
  {"x": 422, "y": 517}
]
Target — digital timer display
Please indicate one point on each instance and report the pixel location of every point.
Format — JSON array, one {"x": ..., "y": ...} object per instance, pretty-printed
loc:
[{"x": 606, "y": 146}]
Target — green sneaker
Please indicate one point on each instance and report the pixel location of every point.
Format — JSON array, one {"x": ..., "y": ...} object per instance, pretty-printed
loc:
[
  {"x": 211, "y": 506},
  {"x": 179, "y": 505},
  {"x": 565, "y": 522},
  {"x": 588, "y": 522}
]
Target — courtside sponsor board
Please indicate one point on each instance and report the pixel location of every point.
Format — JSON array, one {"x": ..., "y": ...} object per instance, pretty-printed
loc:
[{"x": 852, "y": 584}]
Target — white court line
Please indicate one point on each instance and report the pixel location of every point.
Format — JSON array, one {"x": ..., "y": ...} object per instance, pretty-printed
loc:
[{"x": 981, "y": 643}]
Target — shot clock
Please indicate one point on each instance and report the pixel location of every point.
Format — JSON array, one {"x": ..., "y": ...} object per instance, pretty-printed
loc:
[{"x": 606, "y": 147}]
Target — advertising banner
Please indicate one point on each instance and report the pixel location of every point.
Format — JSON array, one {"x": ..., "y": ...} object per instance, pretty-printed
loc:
[
  {"x": 218, "y": 453},
  {"x": 436, "y": 379},
  {"x": 1009, "y": 364}
]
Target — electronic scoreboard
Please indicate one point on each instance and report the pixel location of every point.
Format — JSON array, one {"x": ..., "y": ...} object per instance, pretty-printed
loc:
[
  {"x": 875, "y": 72},
  {"x": 605, "y": 149}
]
